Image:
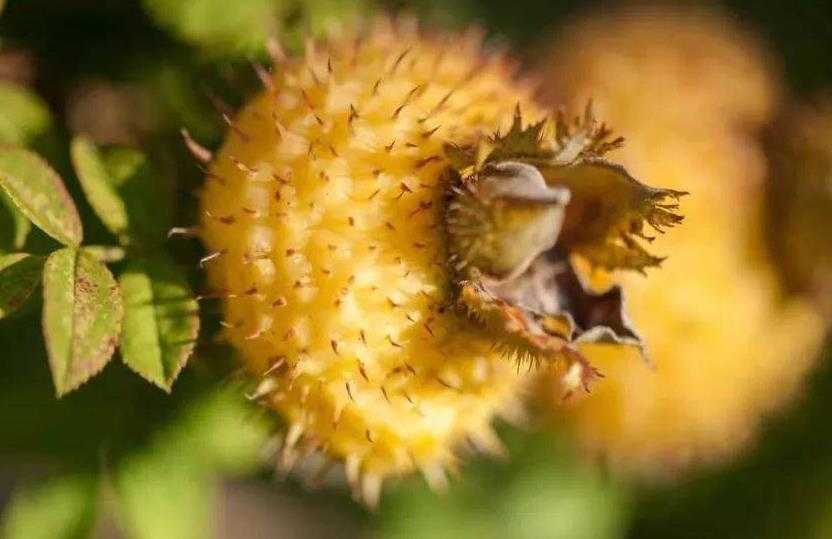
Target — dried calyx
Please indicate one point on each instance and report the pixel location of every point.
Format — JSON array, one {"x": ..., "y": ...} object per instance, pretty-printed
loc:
[{"x": 520, "y": 208}]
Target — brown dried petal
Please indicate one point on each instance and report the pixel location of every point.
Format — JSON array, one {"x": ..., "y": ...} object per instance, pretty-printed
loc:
[
  {"x": 552, "y": 287},
  {"x": 502, "y": 219},
  {"x": 607, "y": 212},
  {"x": 525, "y": 334},
  {"x": 520, "y": 142}
]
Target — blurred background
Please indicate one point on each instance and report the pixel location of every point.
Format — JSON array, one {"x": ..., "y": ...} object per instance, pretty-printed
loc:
[{"x": 728, "y": 436}]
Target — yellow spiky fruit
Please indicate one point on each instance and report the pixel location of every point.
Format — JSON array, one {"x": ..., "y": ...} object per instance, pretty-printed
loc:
[
  {"x": 688, "y": 88},
  {"x": 322, "y": 213}
]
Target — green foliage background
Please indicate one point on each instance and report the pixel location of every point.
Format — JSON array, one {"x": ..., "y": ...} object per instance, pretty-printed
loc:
[{"x": 120, "y": 458}]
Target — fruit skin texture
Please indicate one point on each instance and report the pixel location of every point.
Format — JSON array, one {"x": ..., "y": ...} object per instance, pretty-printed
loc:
[
  {"x": 324, "y": 206},
  {"x": 726, "y": 345}
]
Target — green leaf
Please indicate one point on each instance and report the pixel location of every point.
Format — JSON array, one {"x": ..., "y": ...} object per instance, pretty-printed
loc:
[
  {"x": 19, "y": 276},
  {"x": 14, "y": 227},
  {"x": 23, "y": 115},
  {"x": 168, "y": 489},
  {"x": 163, "y": 495},
  {"x": 39, "y": 193},
  {"x": 317, "y": 18},
  {"x": 106, "y": 254},
  {"x": 220, "y": 431},
  {"x": 161, "y": 321},
  {"x": 573, "y": 503},
  {"x": 217, "y": 26},
  {"x": 61, "y": 508},
  {"x": 173, "y": 83},
  {"x": 542, "y": 492},
  {"x": 146, "y": 193},
  {"x": 125, "y": 190},
  {"x": 82, "y": 317},
  {"x": 97, "y": 185}
]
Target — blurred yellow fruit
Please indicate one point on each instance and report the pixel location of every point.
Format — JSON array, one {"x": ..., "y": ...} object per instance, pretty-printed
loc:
[
  {"x": 689, "y": 88},
  {"x": 322, "y": 211},
  {"x": 799, "y": 196}
]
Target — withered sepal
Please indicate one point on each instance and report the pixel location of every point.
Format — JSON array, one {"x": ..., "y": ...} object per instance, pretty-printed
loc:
[{"x": 520, "y": 206}]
